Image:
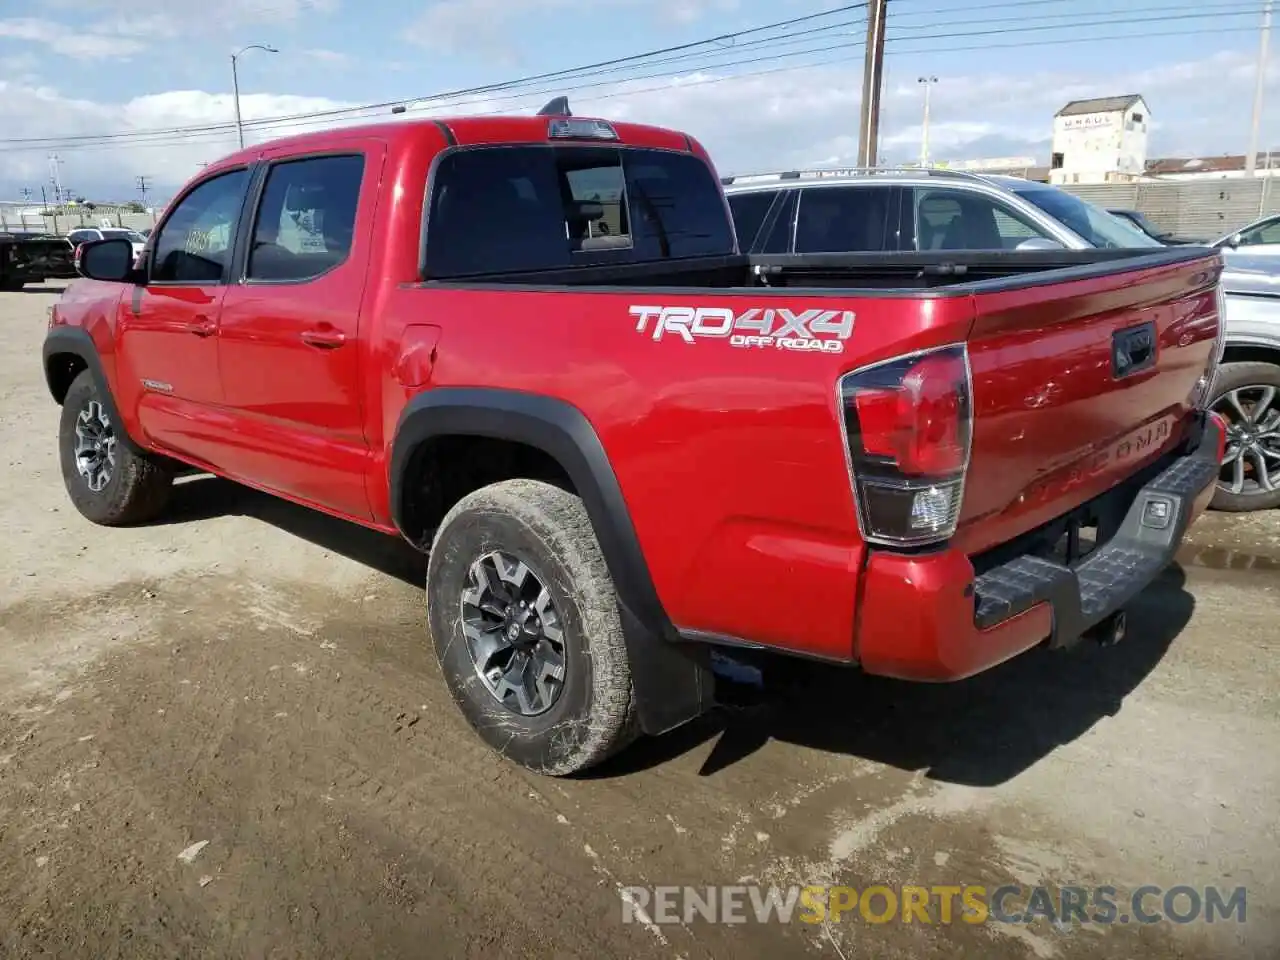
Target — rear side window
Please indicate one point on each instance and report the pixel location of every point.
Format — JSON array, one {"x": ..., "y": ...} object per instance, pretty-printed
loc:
[
  {"x": 307, "y": 218},
  {"x": 842, "y": 219},
  {"x": 509, "y": 209},
  {"x": 749, "y": 210}
]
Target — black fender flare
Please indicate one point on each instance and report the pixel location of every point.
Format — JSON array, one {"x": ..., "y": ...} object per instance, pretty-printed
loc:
[
  {"x": 78, "y": 342},
  {"x": 672, "y": 680}
]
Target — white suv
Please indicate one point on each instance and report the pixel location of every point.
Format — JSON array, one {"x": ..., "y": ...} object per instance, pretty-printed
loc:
[
  {"x": 910, "y": 209},
  {"x": 85, "y": 234}
]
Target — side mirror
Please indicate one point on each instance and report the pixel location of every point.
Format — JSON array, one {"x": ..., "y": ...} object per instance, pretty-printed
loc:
[
  {"x": 1039, "y": 243},
  {"x": 1234, "y": 240},
  {"x": 110, "y": 260}
]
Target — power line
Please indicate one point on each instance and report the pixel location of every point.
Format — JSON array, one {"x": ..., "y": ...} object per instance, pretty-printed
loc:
[
  {"x": 483, "y": 88},
  {"x": 166, "y": 136},
  {"x": 304, "y": 120}
]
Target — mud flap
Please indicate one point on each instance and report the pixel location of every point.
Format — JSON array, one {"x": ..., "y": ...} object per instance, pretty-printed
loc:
[{"x": 672, "y": 682}]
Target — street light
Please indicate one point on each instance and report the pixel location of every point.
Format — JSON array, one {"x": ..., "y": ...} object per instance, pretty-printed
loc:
[
  {"x": 235, "y": 82},
  {"x": 924, "y": 130}
]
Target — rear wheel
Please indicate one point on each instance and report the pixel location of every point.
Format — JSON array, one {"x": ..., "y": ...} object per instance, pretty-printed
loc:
[
  {"x": 525, "y": 624},
  {"x": 1248, "y": 396},
  {"x": 108, "y": 483}
]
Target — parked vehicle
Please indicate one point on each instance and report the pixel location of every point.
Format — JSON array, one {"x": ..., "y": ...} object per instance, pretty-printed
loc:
[
  {"x": 1261, "y": 238},
  {"x": 1247, "y": 389},
  {"x": 894, "y": 210},
  {"x": 913, "y": 209},
  {"x": 626, "y": 446},
  {"x": 1143, "y": 223},
  {"x": 33, "y": 258},
  {"x": 85, "y": 234}
]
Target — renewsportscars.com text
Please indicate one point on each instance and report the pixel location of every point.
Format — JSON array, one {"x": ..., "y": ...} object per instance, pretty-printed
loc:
[{"x": 936, "y": 904}]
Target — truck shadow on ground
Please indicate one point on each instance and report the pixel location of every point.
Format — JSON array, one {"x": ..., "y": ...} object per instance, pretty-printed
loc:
[
  {"x": 203, "y": 497},
  {"x": 978, "y": 732}
]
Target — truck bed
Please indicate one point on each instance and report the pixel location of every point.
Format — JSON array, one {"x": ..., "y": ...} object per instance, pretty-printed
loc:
[{"x": 872, "y": 274}]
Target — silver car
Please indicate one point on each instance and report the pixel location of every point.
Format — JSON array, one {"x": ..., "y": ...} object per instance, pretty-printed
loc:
[
  {"x": 916, "y": 210},
  {"x": 1258, "y": 239}
]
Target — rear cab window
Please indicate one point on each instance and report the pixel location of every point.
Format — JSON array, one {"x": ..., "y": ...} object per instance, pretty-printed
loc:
[{"x": 507, "y": 209}]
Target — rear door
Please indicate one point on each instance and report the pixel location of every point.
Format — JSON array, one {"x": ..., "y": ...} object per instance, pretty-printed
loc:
[
  {"x": 168, "y": 327},
  {"x": 289, "y": 345}
]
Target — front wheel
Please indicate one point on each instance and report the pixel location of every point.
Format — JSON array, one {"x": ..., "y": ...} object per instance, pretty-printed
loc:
[
  {"x": 1248, "y": 396},
  {"x": 108, "y": 483},
  {"x": 525, "y": 624}
]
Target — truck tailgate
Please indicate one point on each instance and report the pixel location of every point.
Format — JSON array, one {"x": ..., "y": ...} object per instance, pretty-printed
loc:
[{"x": 1077, "y": 385}]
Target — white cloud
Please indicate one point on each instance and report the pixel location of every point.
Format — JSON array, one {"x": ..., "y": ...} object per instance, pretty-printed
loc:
[
  {"x": 117, "y": 33},
  {"x": 30, "y": 112},
  {"x": 750, "y": 123},
  {"x": 454, "y": 25},
  {"x": 91, "y": 45}
]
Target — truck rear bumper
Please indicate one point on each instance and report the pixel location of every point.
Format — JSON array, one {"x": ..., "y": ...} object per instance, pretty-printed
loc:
[{"x": 933, "y": 617}]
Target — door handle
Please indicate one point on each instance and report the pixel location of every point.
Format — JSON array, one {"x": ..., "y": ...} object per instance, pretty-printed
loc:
[
  {"x": 202, "y": 326},
  {"x": 326, "y": 338}
]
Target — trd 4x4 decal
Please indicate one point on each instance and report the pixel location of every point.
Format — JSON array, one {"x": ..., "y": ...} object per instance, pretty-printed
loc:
[{"x": 824, "y": 331}]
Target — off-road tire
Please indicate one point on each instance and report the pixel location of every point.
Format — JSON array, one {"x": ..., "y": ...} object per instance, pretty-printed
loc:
[
  {"x": 549, "y": 530},
  {"x": 1233, "y": 376},
  {"x": 138, "y": 489}
]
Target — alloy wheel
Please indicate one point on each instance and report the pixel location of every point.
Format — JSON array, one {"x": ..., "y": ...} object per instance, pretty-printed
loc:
[
  {"x": 513, "y": 633},
  {"x": 1251, "y": 464},
  {"x": 95, "y": 450}
]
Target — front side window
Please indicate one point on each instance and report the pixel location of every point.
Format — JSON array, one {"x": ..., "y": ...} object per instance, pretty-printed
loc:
[
  {"x": 306, "y": 219},
  {"x": 842, "y": 219},
  {"x": 948, "y": 219},
  {"x": 1093, "y": 224},
  {"x": 1268, "y": 232},
  {"x": 195, "y": 242},
  {"x": 512, "y": 209}
]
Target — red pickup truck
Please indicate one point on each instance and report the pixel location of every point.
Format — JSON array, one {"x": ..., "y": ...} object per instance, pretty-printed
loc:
[{"x": 530, "y": 346}]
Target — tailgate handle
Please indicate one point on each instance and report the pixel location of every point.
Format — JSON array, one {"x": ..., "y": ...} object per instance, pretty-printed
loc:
[{"x": 1133, "y": 349}]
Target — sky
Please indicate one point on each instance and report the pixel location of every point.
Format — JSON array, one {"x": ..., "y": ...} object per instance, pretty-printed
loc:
[{"x": 764, "y": 101}]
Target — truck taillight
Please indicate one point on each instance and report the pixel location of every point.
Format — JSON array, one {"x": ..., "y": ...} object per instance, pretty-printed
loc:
[
  {"x": 1202, "y": 392},
  {"x": 908, "y": 424}
]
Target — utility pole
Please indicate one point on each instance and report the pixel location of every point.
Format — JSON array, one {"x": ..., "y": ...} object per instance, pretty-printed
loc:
[
  {"x": 924, "y": 129},
  {"x": 142, "y": 188},
  {"x": 1251, "y": 158},
  {"x": 55, "y": 176},
  {"x": 872, "y": 80}
]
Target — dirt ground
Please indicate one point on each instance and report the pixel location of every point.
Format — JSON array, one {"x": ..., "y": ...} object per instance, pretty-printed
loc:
[{"x": 256, "y": 678}]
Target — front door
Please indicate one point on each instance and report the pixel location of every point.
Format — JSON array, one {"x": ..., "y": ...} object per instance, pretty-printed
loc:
[
  {"x": 289, "y": 343},
  {"x": 168, "y": 326}
]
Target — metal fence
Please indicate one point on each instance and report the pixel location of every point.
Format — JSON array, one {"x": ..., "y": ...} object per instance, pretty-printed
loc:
[
  {"x": 34, "y": 218},
  {"x": 1204, "y": 209}
]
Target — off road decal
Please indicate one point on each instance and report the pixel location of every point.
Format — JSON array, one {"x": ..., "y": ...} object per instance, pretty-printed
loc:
[{"x": 824, "y": 331}]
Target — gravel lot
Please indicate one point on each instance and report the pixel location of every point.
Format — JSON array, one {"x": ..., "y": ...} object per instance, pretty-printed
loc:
[{"x": 255, "y": 676}]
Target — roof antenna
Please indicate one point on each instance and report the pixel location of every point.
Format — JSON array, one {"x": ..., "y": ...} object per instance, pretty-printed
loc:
[{"x": 559, "y": 107}]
